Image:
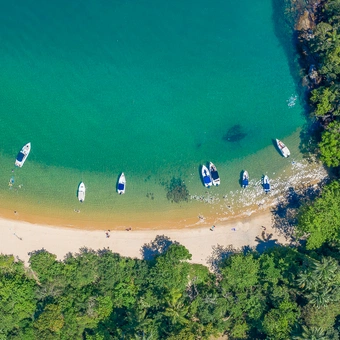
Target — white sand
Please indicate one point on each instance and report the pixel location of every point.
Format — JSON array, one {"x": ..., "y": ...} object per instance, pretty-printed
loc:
[{"x": 20, "y": 238}]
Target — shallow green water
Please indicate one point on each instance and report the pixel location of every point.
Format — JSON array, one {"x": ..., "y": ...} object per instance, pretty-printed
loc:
[{"x": 149, "y": 88}]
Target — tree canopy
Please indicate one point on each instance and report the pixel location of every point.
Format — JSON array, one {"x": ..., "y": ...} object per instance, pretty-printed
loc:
[
  {"x": 320, "y": 220},
  {"x": 280, "y": 294}
]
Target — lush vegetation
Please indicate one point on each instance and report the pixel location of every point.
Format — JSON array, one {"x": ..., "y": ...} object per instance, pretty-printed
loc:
[
  {"x": 283, "y": 293},
  {"x": 322, "y": 47}
]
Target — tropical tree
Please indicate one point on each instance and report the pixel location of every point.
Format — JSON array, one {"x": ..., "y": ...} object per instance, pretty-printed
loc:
[
  {"x": 313, "y": 333},
  {"x": 320, "y": 298},
  {"x": 278, "y": 322},
  {"x": 320, "y": 42},
  {"x": 330, "y": 145},
  {"x": 51, "y": 319},
  {"x": 325, "y": 100},
  {"x": 320, "y": 220},
  {"x": 17, "y": 297}
]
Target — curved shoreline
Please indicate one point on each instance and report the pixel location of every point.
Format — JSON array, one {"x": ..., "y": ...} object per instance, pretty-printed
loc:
[
  {"x": 210, "y": 208},
  {"x": 21, "y": 238}
]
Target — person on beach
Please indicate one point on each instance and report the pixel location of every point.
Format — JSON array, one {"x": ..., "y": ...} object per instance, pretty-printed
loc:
[
  {"x": 212, "y": 228},
  {"x": 107, "y": 234}
]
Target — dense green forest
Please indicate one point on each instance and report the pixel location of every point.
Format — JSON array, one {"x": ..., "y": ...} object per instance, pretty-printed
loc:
[
  {"x": 321, "y": 49},
  {"x": 283, "y": 292}
]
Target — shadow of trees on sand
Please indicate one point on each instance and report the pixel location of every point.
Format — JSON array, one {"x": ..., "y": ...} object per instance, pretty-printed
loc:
[
  {"x": 158, "y": 246},
  {"x": 220, "y": 253},
  {"x": 265, "y": 242},
  {"x": 285, "y": 213}
]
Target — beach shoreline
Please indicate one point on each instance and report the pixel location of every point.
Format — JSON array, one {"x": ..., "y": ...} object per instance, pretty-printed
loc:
[
  {"x": 252, "y": 226},
  {"x": 21, "y": 238},
  {"x": 214, "y": 206}
]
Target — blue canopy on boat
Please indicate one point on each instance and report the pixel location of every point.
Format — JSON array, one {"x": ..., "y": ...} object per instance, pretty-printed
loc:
[
  {"x": 266, "y": 186},
  {"x": 214, "y": 175},
  {"x": 120, "y": 186},
  {"x": 20, "y": 156},
  {"x": 245, "y": 182},
  {"x": 206, "y": 179}
]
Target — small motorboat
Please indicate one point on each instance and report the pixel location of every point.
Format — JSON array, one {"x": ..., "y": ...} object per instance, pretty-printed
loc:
[
  {"x": 266, "y": 184},
  {"x": 206, "y": 177},
  {"x": 81, "y": 192},
  {"x": 22, "y": 155},
  {"x": 283, "y": 149},
  {"x": 214, "y": 174},
  {"x": 245, "y": 179},
  {"x": 121, "y": 184}
]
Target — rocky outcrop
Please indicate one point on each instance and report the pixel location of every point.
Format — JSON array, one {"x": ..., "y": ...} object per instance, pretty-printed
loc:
[{"x": 306, "y": 21}]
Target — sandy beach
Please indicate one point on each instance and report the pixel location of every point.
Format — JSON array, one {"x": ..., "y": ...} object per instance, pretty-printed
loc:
[
  {"x": 23, "y": 230},
  {"x": 20, "y": 238}
]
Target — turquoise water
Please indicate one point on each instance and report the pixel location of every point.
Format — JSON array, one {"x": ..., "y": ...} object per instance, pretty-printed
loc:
[{"x": 149, "y": 88}]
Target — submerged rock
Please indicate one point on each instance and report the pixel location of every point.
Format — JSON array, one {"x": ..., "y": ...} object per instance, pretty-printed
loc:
[
  {"x": 177, "y": 191},
  {"x": 234, "y": 134}
]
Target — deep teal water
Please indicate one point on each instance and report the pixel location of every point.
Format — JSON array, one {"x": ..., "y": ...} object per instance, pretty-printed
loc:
[{"x": 149, "y": 88}]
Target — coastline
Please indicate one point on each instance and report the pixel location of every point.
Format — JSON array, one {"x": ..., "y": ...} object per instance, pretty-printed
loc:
[
  {"x": 212, "y": 207},
  {"x": 21, "y": 238}
]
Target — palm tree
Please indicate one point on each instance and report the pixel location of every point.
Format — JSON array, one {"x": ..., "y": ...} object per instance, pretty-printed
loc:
[
  {"x": 320, "y": 298},
  {"x": 307, "y": 280},
  {"x": 326, "y": 270},
  {"x": 175, "y": 309},
  {"x": 332, "y": 37},
  {"x": 144, "y": 336},
  {"x": 313, "y": 333},
  {"x": 321, "y": 41}
]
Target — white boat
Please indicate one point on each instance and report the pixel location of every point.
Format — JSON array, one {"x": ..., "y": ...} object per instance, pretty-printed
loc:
[
  {"x": 22, "y": 155},
  {"x": 245, "y": 179},
  {"x": 266, "y": 184},
  {"x": 121, "y": 184},
  {"x": 206, "y": 177},
  {"x": 214, "y": 174},
  {"x": 283, "y": 149},
  {"x": 81, "y": 192}
]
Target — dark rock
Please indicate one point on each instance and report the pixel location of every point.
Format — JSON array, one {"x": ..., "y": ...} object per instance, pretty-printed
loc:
[
  {"x": 177, "y": 191},
  {"x": 234, "y": 134}
]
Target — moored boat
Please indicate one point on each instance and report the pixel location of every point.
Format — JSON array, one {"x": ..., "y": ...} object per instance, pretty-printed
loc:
[
  {"x": 206, "y": 177},
  {"x": 121, "y": 184},
  {"x": 22, "y": 155},
  {"x": 245, "y": 179},
  {"x": 283, "y": 148},
  {"x": 81, "y": 192},
  {"x": 266, "y": 184},
  {"x": 214, "y": 174}
]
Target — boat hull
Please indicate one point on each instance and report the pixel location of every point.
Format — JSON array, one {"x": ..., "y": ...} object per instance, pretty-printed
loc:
[
  {"x": 81, "y": 192},
  {"x": 283, "y": 148},
  {"x": 206, "y": 177},
  {"x": 266, "y": 184},
  {"x": 22, "y": 155},
  {"x": 121, "y": 184},
  {"x": 214, "y": 174},
  {"x": 245, "y": 179}
]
